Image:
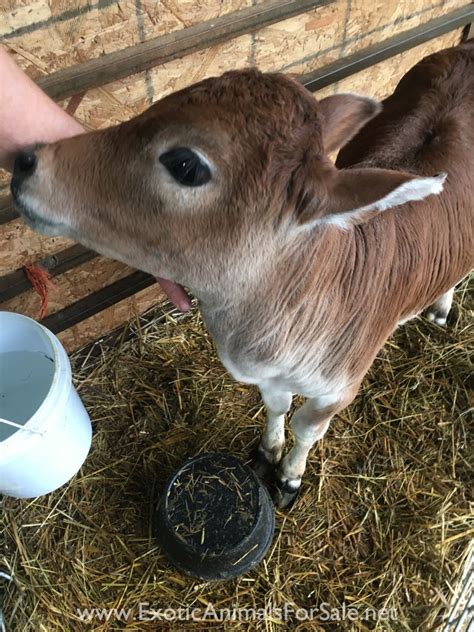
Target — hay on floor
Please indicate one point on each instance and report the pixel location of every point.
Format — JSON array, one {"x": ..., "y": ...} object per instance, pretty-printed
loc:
[{"x": 382, "y": 521}]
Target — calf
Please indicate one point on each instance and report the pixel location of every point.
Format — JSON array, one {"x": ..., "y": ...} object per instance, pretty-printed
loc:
[{"x": 302, "y": 268}]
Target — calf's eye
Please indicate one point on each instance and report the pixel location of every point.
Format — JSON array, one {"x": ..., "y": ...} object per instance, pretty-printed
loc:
[{"x": 186, "y": 167}]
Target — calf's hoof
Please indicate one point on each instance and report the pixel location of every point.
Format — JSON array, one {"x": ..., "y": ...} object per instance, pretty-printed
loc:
[
  {"x": 262, "y": 466},
  {"x": 285, "y": 492},
  {"x": 438, "y": 317}
]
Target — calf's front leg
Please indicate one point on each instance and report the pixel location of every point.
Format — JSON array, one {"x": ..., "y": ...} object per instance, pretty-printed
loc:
[
  {"x": 277, "y": 404},
  {"x": 309, "y": 424},
  {"x": 439, "y": 310}
]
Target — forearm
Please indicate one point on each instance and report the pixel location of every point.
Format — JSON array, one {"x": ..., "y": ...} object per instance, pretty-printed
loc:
[{"x": 27, "y": 115}]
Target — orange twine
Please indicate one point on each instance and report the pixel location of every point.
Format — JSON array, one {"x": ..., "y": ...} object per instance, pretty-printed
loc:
[{"x": 41, "y": 283}]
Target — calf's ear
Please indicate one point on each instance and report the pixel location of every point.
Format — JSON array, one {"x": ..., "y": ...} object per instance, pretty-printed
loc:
[
  {"x": 357, "y": 195},
  {"x": 342, "y": 116}
]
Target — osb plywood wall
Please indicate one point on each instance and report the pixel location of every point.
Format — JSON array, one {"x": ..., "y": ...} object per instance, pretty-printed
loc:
[{"x": 47, "y": 35}]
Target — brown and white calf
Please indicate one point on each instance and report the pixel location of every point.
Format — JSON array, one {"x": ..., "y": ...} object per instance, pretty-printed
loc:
[{"x": 302, "y": 268}]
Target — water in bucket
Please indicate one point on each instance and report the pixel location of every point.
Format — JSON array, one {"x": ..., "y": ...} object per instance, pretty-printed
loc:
[{"x": 25, "y": 379}]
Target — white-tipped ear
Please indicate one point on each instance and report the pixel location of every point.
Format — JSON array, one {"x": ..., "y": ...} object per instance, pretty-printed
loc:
[
  {"x": 375, "y": 191},
  {"x": 411, "y": 191}
]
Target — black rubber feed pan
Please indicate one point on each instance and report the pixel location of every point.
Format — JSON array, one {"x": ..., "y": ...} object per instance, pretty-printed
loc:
[{"x": 215, "y": 518}]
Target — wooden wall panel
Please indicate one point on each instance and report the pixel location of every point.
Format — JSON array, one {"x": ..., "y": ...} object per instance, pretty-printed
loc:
[
  {"x": 366, "y": 23},
  {"x": 71, "y": 286},
  {"x": 369, "y": 23},
  {"x": 380, "y": 80},
  {"x": 51, "y": 34},
  {"x": 110, "y": 318},
  {"x": 22, "y": 246}
]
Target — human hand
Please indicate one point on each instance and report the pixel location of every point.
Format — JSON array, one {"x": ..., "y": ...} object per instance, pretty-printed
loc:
[{"x": 27, "y": 115}]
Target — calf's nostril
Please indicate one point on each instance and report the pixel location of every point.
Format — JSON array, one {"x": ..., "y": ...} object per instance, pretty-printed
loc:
[{"x": 25, "y": 163}]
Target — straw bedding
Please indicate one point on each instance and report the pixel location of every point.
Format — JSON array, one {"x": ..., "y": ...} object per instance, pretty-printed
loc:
[{"x": 382, "y": 521}]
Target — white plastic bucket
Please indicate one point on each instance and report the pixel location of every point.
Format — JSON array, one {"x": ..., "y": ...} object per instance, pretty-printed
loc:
[{"x": 51, "y": 435}]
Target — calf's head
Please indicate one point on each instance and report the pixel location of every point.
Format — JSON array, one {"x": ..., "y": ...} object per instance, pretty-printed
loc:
[{"x": 219, "y": 168}]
